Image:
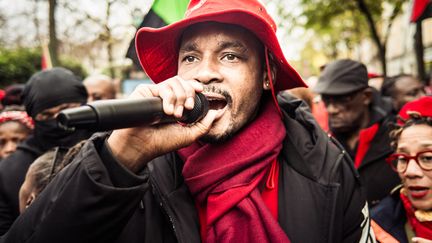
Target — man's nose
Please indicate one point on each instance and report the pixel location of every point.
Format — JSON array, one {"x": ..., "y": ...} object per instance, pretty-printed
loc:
[
  {"x": 208, "y": 71},
  {"x": 332, "y": 108}
]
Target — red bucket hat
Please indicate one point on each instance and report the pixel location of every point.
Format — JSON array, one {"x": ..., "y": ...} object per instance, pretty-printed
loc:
[
  {"x": 157, "y": 49},
  {"x": 422, "y": 107}
]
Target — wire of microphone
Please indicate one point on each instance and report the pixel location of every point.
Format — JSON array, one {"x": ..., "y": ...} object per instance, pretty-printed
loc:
[{"x": 105, "y": 115}]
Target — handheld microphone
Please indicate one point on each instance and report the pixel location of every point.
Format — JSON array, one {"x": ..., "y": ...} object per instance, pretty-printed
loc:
[{"x": 105, "y": 115}]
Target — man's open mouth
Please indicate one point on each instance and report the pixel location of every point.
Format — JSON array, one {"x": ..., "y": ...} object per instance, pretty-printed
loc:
[{"x": 216, "y": 102}]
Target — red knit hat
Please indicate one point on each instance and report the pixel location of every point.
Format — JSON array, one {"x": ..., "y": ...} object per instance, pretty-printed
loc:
[
  {"x": 421, "y": 106},
  {"x": 19, "y": 116},
  {"x": 157, "y": 49}
]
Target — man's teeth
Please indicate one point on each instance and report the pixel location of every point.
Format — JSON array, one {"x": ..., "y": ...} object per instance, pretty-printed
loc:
[{"x": 216, "y": 104}]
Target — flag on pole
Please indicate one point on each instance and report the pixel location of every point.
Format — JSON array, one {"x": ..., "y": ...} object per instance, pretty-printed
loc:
[
  {"x": 162, "y": 12},
  {"x": 46, "y": 58},
  {"x": 421, "y": 9}
]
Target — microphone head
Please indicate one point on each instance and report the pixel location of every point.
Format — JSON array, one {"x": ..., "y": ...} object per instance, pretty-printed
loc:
[
  {"x": 78, "y": 117},
  {"x": 199, "y": 110}
]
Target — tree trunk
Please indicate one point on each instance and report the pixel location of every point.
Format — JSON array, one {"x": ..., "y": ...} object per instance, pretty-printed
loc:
[
  {"x": 53, "y": 41},
  {"x": 110, "y": 58},
  {"x": 374, "y": 34},
  {"x": 419, "y": 51},
  {"x": 36, "y": 23},
  {"x": 109, "y": 40}
]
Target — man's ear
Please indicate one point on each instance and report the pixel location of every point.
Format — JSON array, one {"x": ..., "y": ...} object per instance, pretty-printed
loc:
[
  {"x": 30, "y": 199},
  {"x": 266, "y": 77},
  {"x": 367, "y": 96}
]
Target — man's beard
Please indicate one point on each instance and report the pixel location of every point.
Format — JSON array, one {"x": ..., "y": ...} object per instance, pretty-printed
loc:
[
  {"x": 346, "y": 131},
  {"x": 227, "y": 135},
  {"x": 214, "y": 139}
]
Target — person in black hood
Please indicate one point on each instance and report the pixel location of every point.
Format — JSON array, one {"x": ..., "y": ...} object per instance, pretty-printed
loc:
[
  {"x": 44, "y": 96},
  {"x": 65, "y": 91}
]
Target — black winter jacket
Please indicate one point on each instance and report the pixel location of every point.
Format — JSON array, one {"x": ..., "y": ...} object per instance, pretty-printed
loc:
[
  {"x": 12, "y": 174},
  {"x": 377, "y": 176},
  {"x": 95, "y": 199},
  {"x": 390, "y": 215},
  {"x": 13, "y": 170}
]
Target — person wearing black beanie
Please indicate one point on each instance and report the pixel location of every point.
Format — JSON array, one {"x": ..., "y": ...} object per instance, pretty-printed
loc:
[{"x": 45, "y": 94}]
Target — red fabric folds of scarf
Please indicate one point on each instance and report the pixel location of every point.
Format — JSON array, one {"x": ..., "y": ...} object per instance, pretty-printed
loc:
[
  {"x": 224, "y": 178},
  {"x": 421, "y": 229},
  {"x": 365, "y": 138}
]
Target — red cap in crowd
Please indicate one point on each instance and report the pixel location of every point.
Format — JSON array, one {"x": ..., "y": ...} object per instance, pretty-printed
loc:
[{"x": 421, "y": 106}]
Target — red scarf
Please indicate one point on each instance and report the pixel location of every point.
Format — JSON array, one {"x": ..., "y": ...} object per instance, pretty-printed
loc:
[
  {"x": 421, "y": 229},
  {"x": 365, "y": 138},
  {"x": 224, "y": 179}
]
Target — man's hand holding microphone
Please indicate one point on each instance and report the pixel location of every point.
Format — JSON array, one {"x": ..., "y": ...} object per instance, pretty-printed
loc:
[{"x": 137, "y": 144}]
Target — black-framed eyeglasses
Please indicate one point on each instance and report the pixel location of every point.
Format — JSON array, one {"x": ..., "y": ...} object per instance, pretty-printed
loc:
[
  {"x": 399, "y": 161},
  {"x": 340, "y": 100}
]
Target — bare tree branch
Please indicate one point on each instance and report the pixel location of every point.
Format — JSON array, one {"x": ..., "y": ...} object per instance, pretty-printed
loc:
[{"x": 374, "y": 33}]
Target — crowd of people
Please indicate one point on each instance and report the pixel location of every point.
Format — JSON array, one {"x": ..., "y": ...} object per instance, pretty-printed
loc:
[{"x": 271, "y": 161}]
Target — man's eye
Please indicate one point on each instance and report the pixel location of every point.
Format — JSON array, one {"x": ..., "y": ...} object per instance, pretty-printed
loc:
[
  {"x": 415, "y": 92},
  {"x": 412, "y": 93},
  {"x": 230, "y": 57},
  {"x": 189, "y": 59}
]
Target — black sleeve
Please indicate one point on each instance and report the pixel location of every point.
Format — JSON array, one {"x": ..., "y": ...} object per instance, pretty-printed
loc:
[
  {"x": 12, "y": 173},
  {"x": 6, "y": 216},
  {"x": 356, "y": 220},
  {"x": 91, "y": 200},
  {"x": 119, "y": 175}
]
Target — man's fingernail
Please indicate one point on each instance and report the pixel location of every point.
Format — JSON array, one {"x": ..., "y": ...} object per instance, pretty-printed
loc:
[
  {"x": 189, "y": 102},
  {"x": 170, "y": 108},
  {"x": 179, "y": 111}
]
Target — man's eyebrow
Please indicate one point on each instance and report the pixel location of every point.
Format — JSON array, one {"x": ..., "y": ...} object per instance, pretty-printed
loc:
[
  {"x": 232, "y": 44},
  {"x": 189, "y": 47}
]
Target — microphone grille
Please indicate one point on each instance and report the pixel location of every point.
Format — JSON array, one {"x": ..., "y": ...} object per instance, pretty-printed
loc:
[{"x": 200, "y": 109}]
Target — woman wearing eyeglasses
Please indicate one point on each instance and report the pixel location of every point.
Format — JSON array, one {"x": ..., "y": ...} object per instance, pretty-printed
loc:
[{"x": 406, "y": 215}]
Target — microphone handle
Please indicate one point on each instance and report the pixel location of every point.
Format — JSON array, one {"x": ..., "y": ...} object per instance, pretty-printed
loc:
[
  {"x": 105, "y": 115},
  {"x": 130, "y": 113}
]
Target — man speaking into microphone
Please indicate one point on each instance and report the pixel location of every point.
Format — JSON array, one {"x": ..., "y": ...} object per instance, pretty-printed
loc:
[{"x": 255, "y": 168}]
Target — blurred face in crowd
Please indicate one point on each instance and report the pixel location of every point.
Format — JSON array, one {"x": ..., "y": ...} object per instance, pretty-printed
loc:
[
  {"x": 407, "y": 89},
  {"x": 11, "y": 134},
  {"x": 51, "y": 113},
  {"x": 99, "y": 89},
  {"x": 417, "y": 181},
  {"x": 226, "y": 59},
  {"x": 347, "y": 112}
]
